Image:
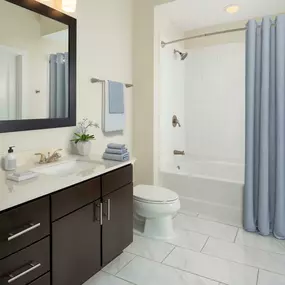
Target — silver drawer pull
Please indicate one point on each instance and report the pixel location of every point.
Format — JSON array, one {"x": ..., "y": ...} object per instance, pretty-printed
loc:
[
  {"x": 100, "y": 213},
  {"x": 109, "y": 209},
  {"x": 30, "y": 228},
  {"x": 32, "y": 268}
]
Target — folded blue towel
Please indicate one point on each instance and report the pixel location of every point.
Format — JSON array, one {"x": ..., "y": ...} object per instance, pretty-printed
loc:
[
  {"x": 116, "y": 157},
  {"x": 116, "y": 145},
  {"x": 116, "y": 151}
]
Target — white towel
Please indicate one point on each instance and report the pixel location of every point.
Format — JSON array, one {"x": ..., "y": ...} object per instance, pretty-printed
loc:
[{"x": 110, "y": 122}]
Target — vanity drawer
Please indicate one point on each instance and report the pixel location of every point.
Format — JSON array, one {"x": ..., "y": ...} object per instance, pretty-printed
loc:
[
  {"x": 26, "y": 265},
  {"x": 73, "y": 198},
  {"x": 23, "y": 226},
  {"x": 44, "y": 280},
  {"x": 117, "y": 179}
]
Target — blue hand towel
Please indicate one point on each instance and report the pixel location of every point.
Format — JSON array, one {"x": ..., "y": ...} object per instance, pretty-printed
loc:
[
  {"x": 116, "y": 151},
  {"x": 116, "y": 157},
  {"x": 116, "y": 98},
  {"x": 116, "y": 145}
]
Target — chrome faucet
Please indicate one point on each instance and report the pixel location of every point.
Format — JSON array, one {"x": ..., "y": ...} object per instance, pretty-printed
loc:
[
  {"x": 49, "y": 158},
  {"x": 179, "y": 152}
]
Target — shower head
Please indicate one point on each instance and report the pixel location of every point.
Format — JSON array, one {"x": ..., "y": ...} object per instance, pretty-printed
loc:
[{"x": 182, "y": 55}]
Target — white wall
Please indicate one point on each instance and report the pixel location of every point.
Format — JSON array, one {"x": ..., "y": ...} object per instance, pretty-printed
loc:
[
  {"x": 169, "y": 97},
  {"x": 215, "y": 102},
  {"x": 104, "y": 49}
]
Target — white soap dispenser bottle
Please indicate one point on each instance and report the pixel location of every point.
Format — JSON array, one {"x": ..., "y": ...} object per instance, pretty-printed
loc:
[{"x": 10, "y": 160}]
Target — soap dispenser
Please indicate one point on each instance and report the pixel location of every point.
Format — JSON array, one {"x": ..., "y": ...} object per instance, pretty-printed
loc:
[{"x": 10, "y": 160}]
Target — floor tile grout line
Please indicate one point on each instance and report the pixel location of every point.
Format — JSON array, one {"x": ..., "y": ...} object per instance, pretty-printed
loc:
[
  {"x": 257, "y": 279},
  {"x": 209, "y": 220},
  {"x": 126, "y": 264},
  {"x": 228, "y": 260},
  {"x": 125, "y": 280},
  {"x": 168, "y": 254},
  {"x": 191, "y": 272},
  {"x": 236, "y": 236},
  {"x": 244, "y": 264},
  {"x": 206, "y": 255},
  {"x": 205, "y": 244},
  {"x": 192, "y": 231},
  {"x": 282, "y": 275},
  {"x": 183, "y": 270},
  {"x": 250, "y": 247}
]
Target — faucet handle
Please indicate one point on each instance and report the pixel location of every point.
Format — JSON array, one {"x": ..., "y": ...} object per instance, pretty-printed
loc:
[{"x": 42, "y": 158}]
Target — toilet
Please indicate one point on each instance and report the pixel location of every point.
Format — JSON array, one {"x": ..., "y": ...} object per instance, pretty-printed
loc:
[{"x": 154, "y": 208}]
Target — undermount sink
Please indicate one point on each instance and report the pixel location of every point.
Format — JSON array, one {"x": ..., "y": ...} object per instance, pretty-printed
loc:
[{"x": 64, "y": 168}]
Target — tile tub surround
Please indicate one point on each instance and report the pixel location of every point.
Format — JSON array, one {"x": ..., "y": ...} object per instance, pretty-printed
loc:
[
  {"x": 197, "y": 258},
  {"x": 15, "y": 193}
]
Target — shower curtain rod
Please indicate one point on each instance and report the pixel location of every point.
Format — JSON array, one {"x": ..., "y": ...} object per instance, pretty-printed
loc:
[{"x": 163, "y": 44}]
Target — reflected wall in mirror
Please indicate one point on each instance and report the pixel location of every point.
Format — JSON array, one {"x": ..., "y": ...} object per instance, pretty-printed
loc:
[{"x": 34, "y": 65}]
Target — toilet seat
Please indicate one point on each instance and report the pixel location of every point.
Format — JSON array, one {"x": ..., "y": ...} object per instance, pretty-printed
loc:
[{"x": 154, "y": 194}]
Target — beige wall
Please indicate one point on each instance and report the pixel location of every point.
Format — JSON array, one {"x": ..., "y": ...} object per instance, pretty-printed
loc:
[
  {"x": 144, "y": 91},
  {"x": 104, "y": 49}
]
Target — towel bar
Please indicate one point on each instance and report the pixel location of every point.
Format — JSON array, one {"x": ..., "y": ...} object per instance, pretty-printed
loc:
[{"x": 96, "y": 80}]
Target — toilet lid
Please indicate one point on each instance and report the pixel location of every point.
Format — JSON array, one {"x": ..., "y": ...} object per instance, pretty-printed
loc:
[{"x": 154, "y": 194}]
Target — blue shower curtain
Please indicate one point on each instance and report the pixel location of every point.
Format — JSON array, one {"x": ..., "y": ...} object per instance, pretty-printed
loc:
[
  {"x": 264, "y": 195},
  {"x": 58, "y": 85}
]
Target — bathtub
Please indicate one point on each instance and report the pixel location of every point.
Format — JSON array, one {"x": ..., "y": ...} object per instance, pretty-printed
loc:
[{"x": 210, "y": 189}]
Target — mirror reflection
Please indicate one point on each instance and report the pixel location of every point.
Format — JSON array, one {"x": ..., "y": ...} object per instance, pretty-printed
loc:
[{"x": 33, "y": 65}]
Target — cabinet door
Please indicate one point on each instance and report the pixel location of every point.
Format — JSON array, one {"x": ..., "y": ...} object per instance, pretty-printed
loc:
[
  {"x": 76, "y": 246},
  {"x": 117, "y": 230}
]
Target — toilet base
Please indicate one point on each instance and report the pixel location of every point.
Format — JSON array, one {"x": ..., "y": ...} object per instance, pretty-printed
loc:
[{"x": 159, "y": 228}]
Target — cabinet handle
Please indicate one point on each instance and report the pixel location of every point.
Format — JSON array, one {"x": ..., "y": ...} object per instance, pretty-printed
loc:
[
  {"x": 30, "y": 228},
  {"x": 109, "y": 209},
  {"x": 32, "y": 268},
  {"x": 100, "y": 206}
]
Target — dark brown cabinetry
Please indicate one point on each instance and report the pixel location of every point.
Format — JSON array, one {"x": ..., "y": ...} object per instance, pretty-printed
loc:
[
  {"x": 91, "y": 224},
  {"x": 24, "y": 225},
  {"x": 117, "y": 227},
  {"x": 43, "y": 280},
  {"x": 76, "y": 252},
  {"x": 26, "y": 265}
]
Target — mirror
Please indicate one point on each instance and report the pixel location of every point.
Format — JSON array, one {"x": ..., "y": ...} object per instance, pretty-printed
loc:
[
  {"x": 34, "y": 65},
  {"x": 37, "y": 66}
]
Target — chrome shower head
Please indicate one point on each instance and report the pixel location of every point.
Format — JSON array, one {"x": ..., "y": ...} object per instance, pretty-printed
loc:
[{"x": 182, "y": 55}]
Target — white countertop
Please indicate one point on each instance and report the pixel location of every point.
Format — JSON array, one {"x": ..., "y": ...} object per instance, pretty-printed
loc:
[{"x": 16, "y": 193}]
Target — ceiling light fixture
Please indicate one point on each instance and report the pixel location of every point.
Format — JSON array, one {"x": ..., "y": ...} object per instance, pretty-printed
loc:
[
  {"x": 232, "y": 9},
  {"x": 69, "y": 6}
]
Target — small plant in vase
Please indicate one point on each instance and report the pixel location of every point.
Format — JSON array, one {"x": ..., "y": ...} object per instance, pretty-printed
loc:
[{"x": 82, "y": 138}]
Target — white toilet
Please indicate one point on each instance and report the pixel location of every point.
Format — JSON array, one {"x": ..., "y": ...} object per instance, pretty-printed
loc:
[{"x": 154, "y": 208}]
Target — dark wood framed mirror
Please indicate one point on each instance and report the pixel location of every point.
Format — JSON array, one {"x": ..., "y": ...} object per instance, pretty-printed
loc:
[{"x": 38, "y": 67}]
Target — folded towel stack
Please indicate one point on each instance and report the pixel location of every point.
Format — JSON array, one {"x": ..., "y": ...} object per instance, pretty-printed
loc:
[{"x": 117, "y": 152}]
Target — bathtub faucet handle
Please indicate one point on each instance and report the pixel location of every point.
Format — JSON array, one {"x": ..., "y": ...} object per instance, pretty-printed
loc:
[
  {"x": 179, "y": 152},
  {"x": 175, "y": 122}
]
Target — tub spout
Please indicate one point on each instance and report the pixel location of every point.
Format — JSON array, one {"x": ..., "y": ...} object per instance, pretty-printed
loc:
[{"x": 179, "y": 152}]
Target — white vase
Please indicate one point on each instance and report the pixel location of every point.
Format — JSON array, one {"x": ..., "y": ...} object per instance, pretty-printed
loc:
[{"x": 84, "y": 148}]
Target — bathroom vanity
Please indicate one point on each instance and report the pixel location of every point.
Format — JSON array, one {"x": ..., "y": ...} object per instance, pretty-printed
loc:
[
  {"x": 63, "y": 226},
  {"x": 69, "y": 234}
]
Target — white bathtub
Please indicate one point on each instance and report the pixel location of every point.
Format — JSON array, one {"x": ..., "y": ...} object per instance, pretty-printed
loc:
[{"x": 213, "y": 190}]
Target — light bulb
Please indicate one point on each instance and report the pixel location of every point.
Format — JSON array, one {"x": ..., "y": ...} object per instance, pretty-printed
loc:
[
  {"x": 232, "y": 9},
  {"x": 69, "y": 6}
]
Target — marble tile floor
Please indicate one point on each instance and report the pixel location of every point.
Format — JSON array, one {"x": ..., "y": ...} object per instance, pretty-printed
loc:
[{"x": 205, "y": 252}]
